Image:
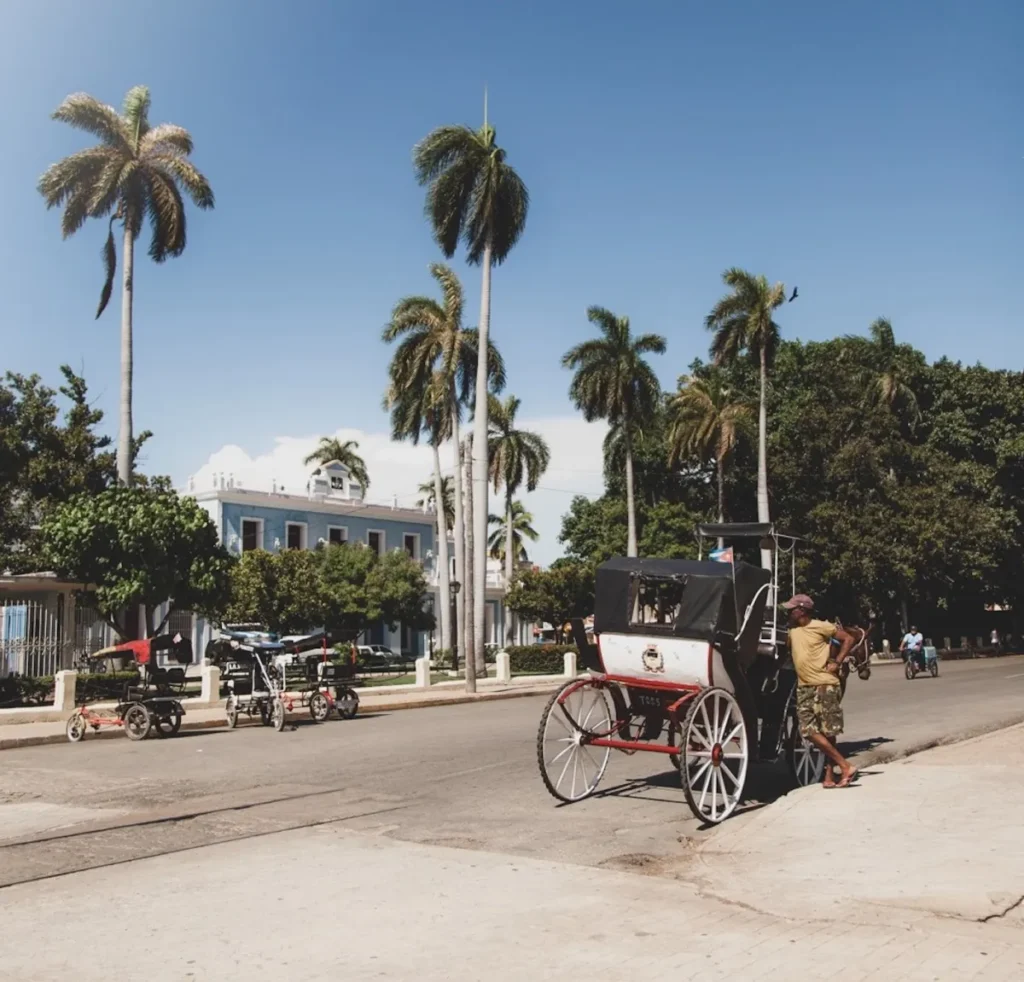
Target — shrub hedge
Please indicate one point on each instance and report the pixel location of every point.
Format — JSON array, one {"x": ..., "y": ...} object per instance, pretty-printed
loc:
[
  {"x": 22, "y": 690},
  {"x": 538, "y": 659}
]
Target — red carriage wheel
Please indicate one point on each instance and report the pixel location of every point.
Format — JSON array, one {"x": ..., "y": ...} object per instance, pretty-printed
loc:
[{"x": 570, "y": 767}]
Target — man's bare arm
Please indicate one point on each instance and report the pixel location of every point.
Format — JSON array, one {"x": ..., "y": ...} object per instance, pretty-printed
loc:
[{"x": 846, "y": 641}]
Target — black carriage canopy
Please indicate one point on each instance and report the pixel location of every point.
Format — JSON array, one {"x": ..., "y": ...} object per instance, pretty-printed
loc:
[{"x": 682, "y": 597}]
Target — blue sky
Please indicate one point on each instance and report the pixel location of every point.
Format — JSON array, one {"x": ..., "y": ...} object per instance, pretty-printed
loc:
[{"x": 871, "y": 154}]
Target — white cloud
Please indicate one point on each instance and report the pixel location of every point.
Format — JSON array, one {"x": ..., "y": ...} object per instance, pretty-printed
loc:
[{"x": 397, "y": 469}]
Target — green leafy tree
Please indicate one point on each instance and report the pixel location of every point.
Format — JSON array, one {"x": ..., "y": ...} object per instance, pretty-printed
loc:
[
  {"x": 279, "y": 590},
  {"x": 743, "y": 323},
  {"x": 522, "y": 530},
  {"x": 135, "y": 171},
  {"x": 515, "y": 457},
  {"x": 48, "y": 454},
  {"x": 346, "y": 452},
  {"x": 343, "y": 588},
  {"x": 613, "y": 381},
  {"x": 473, "y": 194},
  {"x": 706, "y": 422},
  {"x": 139, "y": 546},
  {"x": 555, "y": 595}
]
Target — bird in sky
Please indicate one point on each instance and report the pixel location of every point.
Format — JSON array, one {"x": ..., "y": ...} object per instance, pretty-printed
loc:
[{"x": 792, "y": 298}]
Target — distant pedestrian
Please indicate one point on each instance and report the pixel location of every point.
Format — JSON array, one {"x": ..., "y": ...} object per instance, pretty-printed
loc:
[
  {"x": 819, "y": 713},
  {"x": 912, "y": 645}
]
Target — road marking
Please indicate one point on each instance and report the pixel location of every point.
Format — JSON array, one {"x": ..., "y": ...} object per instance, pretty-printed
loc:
[{"x": 1019, "y": 675}]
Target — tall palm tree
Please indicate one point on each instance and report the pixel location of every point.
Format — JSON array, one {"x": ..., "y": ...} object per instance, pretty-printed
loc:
[
  {"x": 522, "y": 529},
  {"x": 135, "y": 171},
  {"x": 614, "y": 382},
  {"x": 419, "y": 408},
  {"x": 705, "y": 421},
  {"x": 742, "y": 322},
  {"x": 474, "y": 195},
  {"x": 891, "y": 388},
  {"x": 514, "y": 456},
  {"x": 345, "y": 452},
  {"x": 428, "y": 498},
  {"x": 436, "y": 351}
]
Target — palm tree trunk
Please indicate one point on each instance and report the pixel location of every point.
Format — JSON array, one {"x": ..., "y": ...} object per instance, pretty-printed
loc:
[
  {"x": 721, "y": 495},
  {"x": 460, "y": 544},
  {"x": 443, "y": 594},
  {"x": 469, "y": 587},
  {"x": 630, "y": 500},
  {"x": 124, "y": 436},
  {"x": 509, "y": 565},
  {"x": 480, "y": 462},
  {"x": 762, "y": 459}
]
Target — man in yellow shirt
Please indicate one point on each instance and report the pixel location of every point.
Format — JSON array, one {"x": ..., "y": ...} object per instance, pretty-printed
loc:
[{"x": 818, "y": 692}]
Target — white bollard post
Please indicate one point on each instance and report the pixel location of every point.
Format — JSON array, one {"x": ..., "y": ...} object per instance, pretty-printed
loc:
[
  {"x": 886, "y": 649},
  {"x": 503, "y": 666},
  {"x": 64, "y": 685},
  {"x": 423, "y": 673},
  {"x": 210, "y": 694},
  {"x": 570, "y": 665}
]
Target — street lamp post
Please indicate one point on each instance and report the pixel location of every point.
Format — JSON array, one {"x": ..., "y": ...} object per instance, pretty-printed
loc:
[{"x": 453, "y": 588}]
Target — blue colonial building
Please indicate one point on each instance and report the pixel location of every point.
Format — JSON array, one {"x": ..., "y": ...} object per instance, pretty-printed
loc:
[{"x": 333, "y": 511}]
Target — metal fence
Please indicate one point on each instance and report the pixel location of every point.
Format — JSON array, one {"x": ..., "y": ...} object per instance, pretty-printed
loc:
[{"x": 32, "y": 637}]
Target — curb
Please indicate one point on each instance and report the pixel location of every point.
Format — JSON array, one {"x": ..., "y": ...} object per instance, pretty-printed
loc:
[
  {"x": 961, "y": 736},
  {"x": 14, "y": 743}
]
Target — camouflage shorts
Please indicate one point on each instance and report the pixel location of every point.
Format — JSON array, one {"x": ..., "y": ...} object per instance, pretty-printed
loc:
[{"x": 818, "y": 709}]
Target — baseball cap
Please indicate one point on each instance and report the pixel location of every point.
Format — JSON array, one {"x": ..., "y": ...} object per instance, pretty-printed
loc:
[{"x": 800, "y": 600}]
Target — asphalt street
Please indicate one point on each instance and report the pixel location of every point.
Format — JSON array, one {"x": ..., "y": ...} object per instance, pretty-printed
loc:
[{"x": 463, "y": 776}]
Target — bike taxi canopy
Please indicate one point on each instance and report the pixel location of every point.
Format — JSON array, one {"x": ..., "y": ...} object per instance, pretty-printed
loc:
[
  {"x": 689, "y": 599},
  {"x": 144, "y": 651}
]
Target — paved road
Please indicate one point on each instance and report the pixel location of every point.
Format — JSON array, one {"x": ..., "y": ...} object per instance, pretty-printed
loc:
[{"x": 462, "y": 776}]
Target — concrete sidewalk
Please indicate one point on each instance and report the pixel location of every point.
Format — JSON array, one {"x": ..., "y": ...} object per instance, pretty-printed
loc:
[
  {"x": 377, "y": 699},
  {"x": 913, "y": 875},
  {"x": 936, "y": 835}
]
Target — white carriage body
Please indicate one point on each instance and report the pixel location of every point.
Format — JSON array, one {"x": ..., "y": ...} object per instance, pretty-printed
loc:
[{"x": 660, "y": 660}]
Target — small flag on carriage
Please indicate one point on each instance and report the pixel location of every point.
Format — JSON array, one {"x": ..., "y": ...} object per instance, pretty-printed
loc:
[{"x": 722, "y": 555}]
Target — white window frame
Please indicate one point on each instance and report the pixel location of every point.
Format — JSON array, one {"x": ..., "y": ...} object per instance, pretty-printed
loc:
[
  {"x": 416, "y": 549},
  {"x": 303, "y": 534},
  {"x": 241, "y": 533},
  {"x": 341, "y": 528},
  {"x": 383, "y": 540}
]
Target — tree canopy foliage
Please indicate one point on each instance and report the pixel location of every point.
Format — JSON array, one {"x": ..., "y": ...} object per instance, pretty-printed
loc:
[
  {"x": 49, "y": 453},
  {"x": 906, "y": 480},
  {"x": 138, "y": 545},
  {"x": 343, "y": 588},
  {"x": 553, "y": 595}
]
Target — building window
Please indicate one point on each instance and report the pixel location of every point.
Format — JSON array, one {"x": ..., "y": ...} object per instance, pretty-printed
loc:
[
  {"x": 337, "y": 535},
  {"x": 375, "y": 540},
  {"x": 252, "y": 534},
  {"x": 411, "y": 542},
  {"x": 295, "y": 535},
  {"x": 337, "y": 483}
]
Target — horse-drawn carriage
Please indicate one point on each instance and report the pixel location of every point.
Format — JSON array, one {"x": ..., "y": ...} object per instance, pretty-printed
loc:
[
  {"x": 690, "y": 660},
  {"x": 153, "y": 702}
]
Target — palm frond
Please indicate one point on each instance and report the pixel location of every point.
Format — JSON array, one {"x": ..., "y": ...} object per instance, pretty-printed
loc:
[
  {"x": 166, "y": 138},
  {"x": 185, "y": 175},
  {"x": 166, "y": 216},
  {"x": 83, "y": 112},
  {"x": 135, "y": 112},
  {"x": 62, "y": 178},
  {"x": 110, "y": 267}
]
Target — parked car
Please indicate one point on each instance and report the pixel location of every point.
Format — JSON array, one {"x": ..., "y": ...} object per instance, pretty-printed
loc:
[{"x": 379, "y": 655}]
